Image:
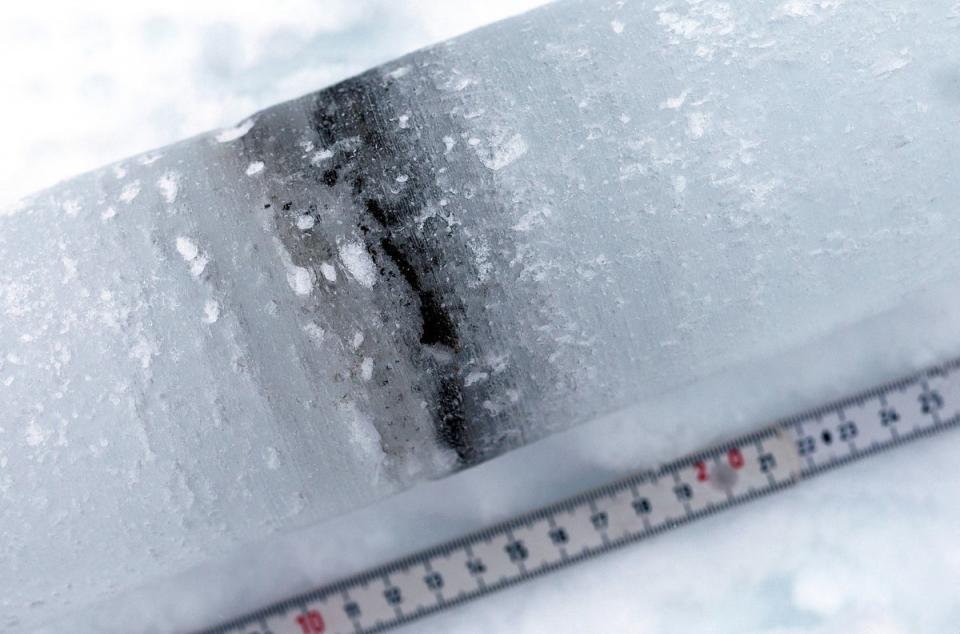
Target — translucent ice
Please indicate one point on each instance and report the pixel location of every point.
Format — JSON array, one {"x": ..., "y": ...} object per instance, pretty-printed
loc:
[{"x": 530, "y": 226}]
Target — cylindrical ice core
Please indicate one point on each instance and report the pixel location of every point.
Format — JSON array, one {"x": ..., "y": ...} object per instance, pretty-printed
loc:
[{"x": 449, "y": 256}]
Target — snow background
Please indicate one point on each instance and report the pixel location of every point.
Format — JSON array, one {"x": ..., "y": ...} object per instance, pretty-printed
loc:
[{"x": 868, "y": 549}]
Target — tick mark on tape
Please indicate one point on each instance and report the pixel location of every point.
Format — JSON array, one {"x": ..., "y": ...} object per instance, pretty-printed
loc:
[{"x": 642, "y": 506}]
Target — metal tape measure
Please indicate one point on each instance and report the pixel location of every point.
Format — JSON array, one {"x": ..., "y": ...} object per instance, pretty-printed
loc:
[{"x": 641, "y": 506}]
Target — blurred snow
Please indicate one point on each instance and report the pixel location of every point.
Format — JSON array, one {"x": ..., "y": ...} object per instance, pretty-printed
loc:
[{"x": 87, "y": 83}]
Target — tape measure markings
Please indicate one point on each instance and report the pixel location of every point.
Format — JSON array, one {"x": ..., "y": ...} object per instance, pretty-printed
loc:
[{"x": 639, "y": 507}]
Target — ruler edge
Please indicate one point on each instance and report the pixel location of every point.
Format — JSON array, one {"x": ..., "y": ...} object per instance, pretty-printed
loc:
[{"x": 624, "y": 483}]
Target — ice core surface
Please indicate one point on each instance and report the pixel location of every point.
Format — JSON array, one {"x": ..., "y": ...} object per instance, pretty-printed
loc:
[{"x": 451, "y": 256}]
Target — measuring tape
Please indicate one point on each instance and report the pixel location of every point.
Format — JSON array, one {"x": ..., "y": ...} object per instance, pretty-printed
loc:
[{"x": 641, "y": 506}]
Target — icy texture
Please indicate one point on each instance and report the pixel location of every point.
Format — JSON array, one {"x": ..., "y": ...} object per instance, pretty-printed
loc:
[
  {"x": 451, "y": 256},
  {"x": 846, "y": 552}
]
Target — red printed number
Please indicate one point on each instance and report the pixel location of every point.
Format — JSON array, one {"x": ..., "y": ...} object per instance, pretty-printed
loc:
[
  {"x": 312, "y": 623},
  {"x": 701, "y": 468},
  {"x": 735, "y": 458}
]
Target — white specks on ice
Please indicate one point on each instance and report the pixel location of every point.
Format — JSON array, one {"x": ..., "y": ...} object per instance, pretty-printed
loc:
[
  {"x": 404, "y": 121},
  {"x": 697, "y": 124},
  {"x": 314, "y": 331},
  {"x": 187, "y": 248},
  {"x": 129, "y": 192},
  {"x": 198, "y": 265},
  {"x": 363, "y": 433},
  {"x": 254, "y": 168},
  {"x": 475, "y": 376},
  {"x": 169, "y": 186},
  {"x": 71, "y": 207},
  {"x": 320, "y": 156},
  {"x": 108, "y": 213},
  {"x": 448, "y": 142},
  {"x": 459, "y": 83},
  {"x": 481, "y": 257},
  {"x": 617, "y": 26},
  {"x": 673, "y": 103},
  {"x": 397, "y": 73},
  {"x": 358, "y": 263},
  {"x": 366, "y": 368},
  {"x": 329, "y": 272},
  {"x": 300, "y": 280},
  {"x": 502, "y": 151},
  {"x": 357, "y": 339},
  {"x": 891, "y": 63},
  {"x": 211, "y": 311},
  {"x": 234, "y": 133},
  {"x": 305, "y": 222},
  {"x": 190, "y": 253},
  {"x": 402, "y": 178}
]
